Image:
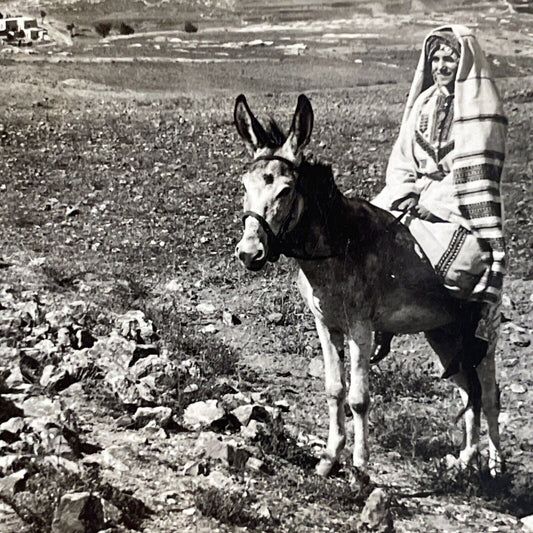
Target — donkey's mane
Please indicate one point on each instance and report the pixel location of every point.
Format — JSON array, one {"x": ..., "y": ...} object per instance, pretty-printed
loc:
[
  {"x": 276, "y": 135},
  {"x": 318, "y": 177}
]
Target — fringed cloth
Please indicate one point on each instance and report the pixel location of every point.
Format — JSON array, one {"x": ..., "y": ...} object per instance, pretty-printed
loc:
[{"x": 479, "y": 131}]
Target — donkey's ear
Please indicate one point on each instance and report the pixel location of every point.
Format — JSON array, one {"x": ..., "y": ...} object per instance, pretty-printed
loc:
[
  {"x": 248, "y": 126},
  {"x": 302, "y": 125}
]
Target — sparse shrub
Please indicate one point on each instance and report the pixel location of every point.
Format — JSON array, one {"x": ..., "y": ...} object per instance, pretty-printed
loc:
[
  {"x": 125, "y": 29},
  {"x": 414, "y": 435},
  {"x": 231, "y": 508},
  {"x": 396, "y": 378},
  {"x": 509, "y": 493},
  {"x": 103, "y": 28},
  {"x": 212, "y": 358},
  {"x": 275, "y": 441},
  {"x": 335, "y": 493}
]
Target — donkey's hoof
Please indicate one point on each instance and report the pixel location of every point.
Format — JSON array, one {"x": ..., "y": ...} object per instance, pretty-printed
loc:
[
  {"x": 497, "y": 466},
  {"x": 453, "y": 463},
  {"x": 325, "y": 466}
]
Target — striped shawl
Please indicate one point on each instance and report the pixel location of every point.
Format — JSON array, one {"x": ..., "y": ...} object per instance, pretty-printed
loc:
[{"x": 480, "y": 128}]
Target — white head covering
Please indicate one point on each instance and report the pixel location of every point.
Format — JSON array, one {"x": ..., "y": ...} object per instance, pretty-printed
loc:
[{"x": 480, "y": 129}]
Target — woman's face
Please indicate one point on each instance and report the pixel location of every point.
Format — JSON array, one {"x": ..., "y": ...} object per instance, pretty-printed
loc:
[{"x": 444, "y": 63}]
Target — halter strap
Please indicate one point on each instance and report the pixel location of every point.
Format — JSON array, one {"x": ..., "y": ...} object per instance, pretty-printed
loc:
[{"x": 275, "y": 242}]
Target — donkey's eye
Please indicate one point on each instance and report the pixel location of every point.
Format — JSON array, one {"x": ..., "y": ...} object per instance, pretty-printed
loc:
[{"x": 283, "y": 193}]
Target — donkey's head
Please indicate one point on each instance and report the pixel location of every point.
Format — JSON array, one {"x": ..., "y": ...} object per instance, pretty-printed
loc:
[{"x": 272, "y": 204}]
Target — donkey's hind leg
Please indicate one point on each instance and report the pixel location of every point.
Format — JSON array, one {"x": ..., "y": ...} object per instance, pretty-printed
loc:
[
  {"x": 491, "y": 408},
  {"x": 332, "y": 343},
  {"x": 449, "y": 346}
]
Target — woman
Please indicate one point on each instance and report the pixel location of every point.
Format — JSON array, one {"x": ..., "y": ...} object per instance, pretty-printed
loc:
[{"x": 445, "y": 167}]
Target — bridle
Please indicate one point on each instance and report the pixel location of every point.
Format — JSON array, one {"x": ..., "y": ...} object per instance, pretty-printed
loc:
[{"x": 274, "y": 241}]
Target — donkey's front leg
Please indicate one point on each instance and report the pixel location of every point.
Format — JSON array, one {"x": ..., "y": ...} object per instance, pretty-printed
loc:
[
  {"x": 333, "y": 350},
  {"x": 360, "y": 343}
]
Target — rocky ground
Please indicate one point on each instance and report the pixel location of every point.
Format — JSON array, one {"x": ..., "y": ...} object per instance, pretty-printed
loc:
[{"x": 148, "y": 383}]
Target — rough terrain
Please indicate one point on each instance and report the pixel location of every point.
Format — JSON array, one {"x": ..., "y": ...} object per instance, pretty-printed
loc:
[{"x": 122, "y": 306}]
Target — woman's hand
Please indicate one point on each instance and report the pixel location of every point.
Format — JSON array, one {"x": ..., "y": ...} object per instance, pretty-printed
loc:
[
  {"x": 422, "y": 213},
  {"x": 405, "y": 204}
]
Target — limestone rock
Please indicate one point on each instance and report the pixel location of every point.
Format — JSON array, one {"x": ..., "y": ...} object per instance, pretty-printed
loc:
[
  {"x": 11, "y": 428},
  {"x": 230, "y": 454},
  {"x": 256, "y": 465},
  {"x": 203, "y": 413},
  {"x": 316, "y": 367},
  {"x": 113, "y": 351},
  {"x": 13, "y": 483},
  {"x": 41, "y": 407},
  {"x": 527, "y": 522},
  {"x": 8, "y": 410},
  {"x": 134, "y": 326},
  {"x": 275, "y": 318},
  {"x": 376, "y": 514},
  {"x": 245, "y": 413},
  {"x": 229, "y": 319},
  {"x": 78, "y": 512},
  {"x": 206, "y": 308},
  {"x": 161, "y": 415}
]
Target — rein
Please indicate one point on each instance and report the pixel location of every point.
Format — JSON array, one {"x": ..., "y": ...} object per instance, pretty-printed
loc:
[{"x": 274, "y": 241}]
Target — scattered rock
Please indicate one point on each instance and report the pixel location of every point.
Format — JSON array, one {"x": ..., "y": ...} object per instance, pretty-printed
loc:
[
  {"x": 518, "y": 388},
  {"x": 219, "y": 479},
  {"x": 245, "y": 413},
  {"x": 209, "y": 329},
  {"x": 376, "y": 515},
  {"x": 13, "y": 483},
  {"x": 229, "y": 319},
  {"x": 519, "y": 338},
  {"x": 134, "y": 326},
  {"x": 113, "y": 351},
  {"x": 10, "y": 430},
  {"x": 8, "y": 410},
  {"x": 527, "y": 521},
  {"x": 112, "y": 514},
  {"x": 160, "y": 415},
  {"x": 196, "y": 468},
  {"x": 252, "y": 430},
  {"x": 41, "y": 407},
  {"x": 256, "y": 465},
  {"x": 275, "y": 318},
  {"x": 78, "y": 512},
  {"x": 206, "y": 308},
  {"x": 230, "y": 454},
  {"x": 316, "y": 367},
  {"x": 6, "y": 461},
  {"x": 203, "y": 413},
  {"x": 174, "y": 285}
]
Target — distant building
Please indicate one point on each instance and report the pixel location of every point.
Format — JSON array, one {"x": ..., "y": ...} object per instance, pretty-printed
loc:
[{"x": 24, "y": 29}]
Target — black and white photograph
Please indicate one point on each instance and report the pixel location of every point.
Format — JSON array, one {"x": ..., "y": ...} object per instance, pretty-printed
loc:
[{"x": 266, "y": 266}]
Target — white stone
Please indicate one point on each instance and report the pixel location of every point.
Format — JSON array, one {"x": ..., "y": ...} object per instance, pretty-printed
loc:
[
  {"x": 203, "y": 413},
  {"x": 527, "y": 521},
  {"x": 316, "y": 367},
  {"x": 206, "y": 308},
  {"x": 160, "y": 415}
]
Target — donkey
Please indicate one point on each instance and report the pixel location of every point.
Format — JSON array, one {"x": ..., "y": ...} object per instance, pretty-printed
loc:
[{"x": 360, "y": 271}]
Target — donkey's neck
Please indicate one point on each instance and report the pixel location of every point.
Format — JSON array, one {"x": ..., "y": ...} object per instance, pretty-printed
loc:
[{"x": 329, "y": 222}]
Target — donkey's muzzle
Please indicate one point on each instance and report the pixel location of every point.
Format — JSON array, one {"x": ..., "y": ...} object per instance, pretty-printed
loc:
[{"x": 253, "y": 257}]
